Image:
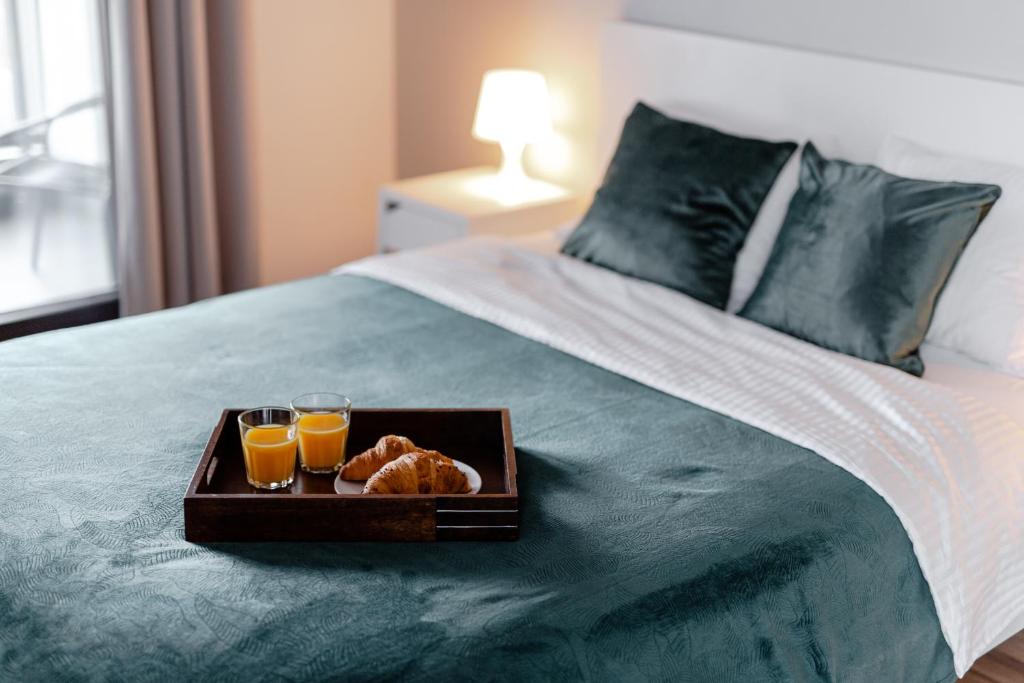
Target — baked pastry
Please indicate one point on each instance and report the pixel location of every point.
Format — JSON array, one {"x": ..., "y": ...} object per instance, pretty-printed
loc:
[
  {"x": 364, "y": 465},
  {"x": 418, "y": 472},
  {"x": 436, "y": 455}
]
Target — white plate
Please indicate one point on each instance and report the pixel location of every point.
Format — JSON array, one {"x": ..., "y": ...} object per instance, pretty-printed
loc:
[{"x": 347, "y": 487}]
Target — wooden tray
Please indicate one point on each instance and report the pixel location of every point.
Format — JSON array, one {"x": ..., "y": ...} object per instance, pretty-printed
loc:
[{"x": 221, "y": 506}]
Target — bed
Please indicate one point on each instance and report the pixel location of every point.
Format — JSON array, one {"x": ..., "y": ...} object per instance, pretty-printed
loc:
[{"x": 702, "y": 499}]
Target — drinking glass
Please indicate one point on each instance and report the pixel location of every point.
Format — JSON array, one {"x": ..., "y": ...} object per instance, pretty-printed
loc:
[
  {"x": 323, "y": 430},
  {"x": 269, "y": 440}
]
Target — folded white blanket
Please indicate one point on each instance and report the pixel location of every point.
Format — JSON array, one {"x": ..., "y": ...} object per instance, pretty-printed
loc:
[{"x": 950, "y": 466}]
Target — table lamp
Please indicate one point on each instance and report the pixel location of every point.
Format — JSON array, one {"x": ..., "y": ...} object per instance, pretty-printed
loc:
[{"x": 514, "y": 111}]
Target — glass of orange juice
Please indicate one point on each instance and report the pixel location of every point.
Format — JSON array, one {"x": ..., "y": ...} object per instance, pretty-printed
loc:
[
  {"x": 269, "y": 440},
  {"x": 323, "y": 430}
]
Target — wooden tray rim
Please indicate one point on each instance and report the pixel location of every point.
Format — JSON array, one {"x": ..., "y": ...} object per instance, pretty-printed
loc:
[{"x": 510, "y": 467}]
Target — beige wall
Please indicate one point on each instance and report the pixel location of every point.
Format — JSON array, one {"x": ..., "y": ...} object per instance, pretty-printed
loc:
[
  {"x": 326, "y": 99},
  {"x": 444, "y": 47},
  {"x": 305, "y": 132}
]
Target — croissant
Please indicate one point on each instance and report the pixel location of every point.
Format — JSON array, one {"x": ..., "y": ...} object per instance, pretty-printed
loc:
[
  {"x": 362, "y": 467},
  {"x": 419, "y": 472},
  {"x": 435, "y": 455}
]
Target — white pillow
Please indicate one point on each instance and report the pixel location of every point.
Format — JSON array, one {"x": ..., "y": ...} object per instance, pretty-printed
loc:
[
  {"x": 753, "y": 256},
  {"x": 980, "y": 312}
]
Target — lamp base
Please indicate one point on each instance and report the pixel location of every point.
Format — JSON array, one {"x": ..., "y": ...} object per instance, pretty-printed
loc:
[{"x": 512, "y": 171}]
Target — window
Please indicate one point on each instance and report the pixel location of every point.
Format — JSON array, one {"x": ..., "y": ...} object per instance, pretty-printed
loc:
[
  {"x": 56, "y": 199},
  {"x": 8, "y": 108}
]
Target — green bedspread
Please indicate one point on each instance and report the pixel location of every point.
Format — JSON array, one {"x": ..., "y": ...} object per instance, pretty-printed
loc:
[{"x": 660, "y": 541}]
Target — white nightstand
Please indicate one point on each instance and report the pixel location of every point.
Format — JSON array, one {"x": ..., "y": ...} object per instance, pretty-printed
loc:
[{"x": 430, "y": 209}]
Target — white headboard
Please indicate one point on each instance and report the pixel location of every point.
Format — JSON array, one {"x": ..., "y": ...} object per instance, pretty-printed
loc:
[{"x": 846, "y": 105}]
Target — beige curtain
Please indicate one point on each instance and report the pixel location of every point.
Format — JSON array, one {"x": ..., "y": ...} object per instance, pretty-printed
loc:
[{"x": 168, "y": 244}]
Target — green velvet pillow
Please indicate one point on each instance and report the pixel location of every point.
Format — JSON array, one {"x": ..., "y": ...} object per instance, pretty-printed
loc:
[
  {"x": 862, "y": 256},
  {"x": 676, "y": 204}
]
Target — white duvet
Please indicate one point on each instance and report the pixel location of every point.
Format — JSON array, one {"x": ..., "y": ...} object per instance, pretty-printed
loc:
[{"x": 950, "y": 465}]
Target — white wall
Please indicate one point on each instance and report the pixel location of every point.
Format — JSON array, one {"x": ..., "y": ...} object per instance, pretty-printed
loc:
[
  {"x": 977, "y": 37},
  {"x": 444, "y": 46}
]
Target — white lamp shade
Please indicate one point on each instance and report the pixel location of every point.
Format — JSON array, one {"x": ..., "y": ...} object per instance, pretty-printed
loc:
[{"x": 513, "y": 107}]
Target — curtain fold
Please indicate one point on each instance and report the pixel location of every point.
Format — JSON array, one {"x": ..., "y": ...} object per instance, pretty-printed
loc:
[{"x": 168, "y": 245}]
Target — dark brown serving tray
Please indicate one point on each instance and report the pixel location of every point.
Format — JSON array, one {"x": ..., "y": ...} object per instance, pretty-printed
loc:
[{"x": 221, "y": 506}]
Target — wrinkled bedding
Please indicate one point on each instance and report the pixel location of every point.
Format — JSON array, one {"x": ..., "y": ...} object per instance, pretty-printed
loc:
[
  {"x": 945, "y": 459},
  {"x": 660, "y": 540}
]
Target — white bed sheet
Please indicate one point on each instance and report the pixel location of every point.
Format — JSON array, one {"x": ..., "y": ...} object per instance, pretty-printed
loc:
[
  {"x": 946, "y": 452},
  {"x": 1002, "y": 391}
]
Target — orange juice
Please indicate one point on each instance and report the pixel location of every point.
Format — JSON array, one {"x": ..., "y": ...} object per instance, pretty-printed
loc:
[
  {"x": 322, "y": 438},
  {"x": 269, "y": 456}
]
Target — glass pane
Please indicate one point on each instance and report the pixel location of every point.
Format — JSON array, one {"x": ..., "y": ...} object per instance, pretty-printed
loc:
[
  {"x": 7, "y": 105},
  {"x": 56, "y": 236}
]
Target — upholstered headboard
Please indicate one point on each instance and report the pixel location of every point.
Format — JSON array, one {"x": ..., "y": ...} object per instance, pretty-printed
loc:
[{"x": 846, "y": 105}]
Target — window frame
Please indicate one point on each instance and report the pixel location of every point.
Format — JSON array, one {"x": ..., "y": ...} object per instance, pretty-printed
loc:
[
  {"x": 89, "y": 308},
  {"x": 84, "y": 311}
]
